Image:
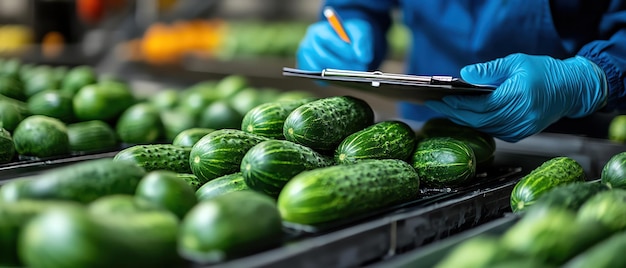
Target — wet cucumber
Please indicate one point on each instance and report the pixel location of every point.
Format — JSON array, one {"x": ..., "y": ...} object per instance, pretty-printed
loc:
[
  {"x": 267, "y": 119},
  {"x": 383, "y": 140},
  {"x": 338, "y": 192},
  {"x": 556, "y": 171},
  {"x": 322, "y": 124},
  {"x": 444, "y": 162},
  {"x": 220, "y": 152},
  {"x": 269, "y": 165},
  {"x": 222, "y": 185},
  {"x": 157, "y": 157}
]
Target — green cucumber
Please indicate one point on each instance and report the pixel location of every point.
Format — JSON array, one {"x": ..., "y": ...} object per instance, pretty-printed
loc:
[
  {"x": 166, "y": 190},
  {"x": 12, "y": 112},
  {"x": 104, "y": 101},
  {"x": 608, "y": 207},
  {"x": 556, "y": 171},
  {"x": 93, "y": 135},
  {"x": 383, "y": 140},
  {"x": 572, "y": 195},
  {"x": 338, "y": 192},
  {"x": 38, "y": 82},
  {"x": 175, "y": 121},
  {"x": 120, "y": 204},
  {"x": 52, "y": 103},
  {"x": 157, "y": 157},
  {"x": 165, "y": 99},
  {"x": 322, "y": 124},
  {"x": 12, "y": 88},
  {"x": 14, "y": 190},
  {"x": 7, "y": 147},
  {"x": 78, "y": 77},
  {"x": 140, "y": 123},
  {"x": 190, "y": 179},
  {"x": 220, "y": 152},
  {"x": 14, "y": 216},
  {"x": 41, "y": 136},
  {"x": 605, "y": 254},
  {"x": 222, "y": 185},
  {"x": 189, "y": 137},
  {"x": 267, "y": 119},
  {"x": 269, "y": 165},
  {"x": 220, "y": 115},
  {"x": 444, "y": 162},
  {"x": 84, "y": 181},
  {"x": 552, "y": 235},
  {"x": 229, "y": 226},
  {"x": 483, "y": 145},
  {"x": 614, "y": 171},
  {"x": 480, "y": 251}
]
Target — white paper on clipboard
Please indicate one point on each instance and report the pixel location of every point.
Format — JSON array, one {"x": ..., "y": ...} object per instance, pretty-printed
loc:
[{"x": 400, "y": 86}]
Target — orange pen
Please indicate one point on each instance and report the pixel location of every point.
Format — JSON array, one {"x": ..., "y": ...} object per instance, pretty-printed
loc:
[{"x": 335, "y": 22}]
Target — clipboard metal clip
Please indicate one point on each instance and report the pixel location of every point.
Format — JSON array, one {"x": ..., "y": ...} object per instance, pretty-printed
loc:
[{"x": 377, "y": 76}]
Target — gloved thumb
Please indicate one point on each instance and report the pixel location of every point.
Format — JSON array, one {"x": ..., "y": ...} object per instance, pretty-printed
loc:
[
  {"x": 490, "y": 73},
  {"x": 360, "y": 33}
]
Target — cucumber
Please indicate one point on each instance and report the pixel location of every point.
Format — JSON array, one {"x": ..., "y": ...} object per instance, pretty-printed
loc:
[
  {"x": 267, "y": 119},
  {"x": 53, "y": 103},
  {"x": 12, "y": 113},
  {"x": 14, "y": 190},
  {"x": 189, "y": 137},
  {"x": 190, "y": 179},
  {"x": 606, "y": 254},
  {"x": 140, "y": 123},
  {"x": 78, "y": 77},
  {"x": 483, "y": 145},
  {"x": 269, "y": 165},
  {"x": 220, "y": 115},
  {"x": 38, "y": 82},
  {"x": 103, "y": 101},
  {"x": 338, "y": 192},
  {"x": 556, "y": 171},
  {"x": 7, "y": 147},
  {"x": 222, "y": 185},
  {"x": 608, "y": 207},
  {"x": 12, "y": 88},
  {"x": 228, "y": 86},
  {"x": 93, "y": 135},
  {"x": 166, "y": 190},
  {"x": 120, "y": 204},
  {"x": 480, "y": 251},
  {"x": 15, "y": 215},
  {"x": 176, "y": 121},
  {"x": 322, "y": 124},
  {"x": 72, "y": 237},
  {"x": 84, "y": 181},
  {"x": 444, "y": 162},
  {"x": 383, "y": 140},
  {"x": 165, "y": 99},
  {"x": 41, "y": 136},
  {"x": 614, "y": 171},
  {"x": 229, "y": 226},
  {"x": 552, "y": 235},
  {"x": 220, "y": 153},
  {"x": 571, "y": 196},
  {"x": 157, "y": 157}
]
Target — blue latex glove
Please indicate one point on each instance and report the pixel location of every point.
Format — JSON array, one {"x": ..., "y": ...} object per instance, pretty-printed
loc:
[
  {"x": 322, "y": 48},
  {"x": 533, "y": 92}
]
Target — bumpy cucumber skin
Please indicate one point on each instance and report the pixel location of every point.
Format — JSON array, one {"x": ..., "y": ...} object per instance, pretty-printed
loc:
[
  {"x": 556, "y": 171},
  {"x": 7, "y": 147},
  {"x": 157, "y": 157},
  {"x": 614, "y": 171},
  {"x": 572, "y": 195},
  {"x": 41, "y": 136},
  {"x": 191, "y": 179},
  {"x": 91, "y": 135},
  {"x": 337, "y": 192},
  {"x": 444, "y": 162},
  {"x": 268, "y": 119},
  {"x": 269, "y": 165},
  {"x": 85, "y": 181},
  {"x": 222, "y": 185},
  {"x": 383, "y": 140},
  {"x": 220, "y": 152},
  {"x": 324, "y": 123}
]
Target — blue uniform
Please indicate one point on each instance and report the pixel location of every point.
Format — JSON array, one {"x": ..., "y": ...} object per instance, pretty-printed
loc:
[{"x": 447, "y": 35}]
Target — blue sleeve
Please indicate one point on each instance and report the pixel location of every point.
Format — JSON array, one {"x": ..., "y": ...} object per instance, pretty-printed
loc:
[
  {"x": 609, "y": 52},
  {"x": 377, "y": 12}
]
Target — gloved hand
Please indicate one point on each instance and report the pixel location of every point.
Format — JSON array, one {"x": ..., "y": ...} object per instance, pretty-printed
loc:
[
  {"x": 535, "y": 91},
  {"x": 322, "y": 48}
]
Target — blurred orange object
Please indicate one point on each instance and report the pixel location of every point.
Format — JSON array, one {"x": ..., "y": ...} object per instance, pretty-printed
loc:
[
  {"x": 52, "y": 44},
  {"x": 90, "y": 11}
]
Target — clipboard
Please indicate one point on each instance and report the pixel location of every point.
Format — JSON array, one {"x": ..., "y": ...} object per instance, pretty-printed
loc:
[{"x": 400, "y": 86}]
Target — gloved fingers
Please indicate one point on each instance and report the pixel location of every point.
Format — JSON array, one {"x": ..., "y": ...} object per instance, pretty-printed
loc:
[
  {"x": 492, "y": 72},
  {"x": 507, "y": 93},
  {"x": 360, "y": 33},
  {"x": 462, "y": 117}
]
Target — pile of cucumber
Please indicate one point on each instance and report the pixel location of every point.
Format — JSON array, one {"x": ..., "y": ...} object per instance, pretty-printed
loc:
[
  {"x": 216, "y": 194},
  {"x": 565, "y": 221},
  {"x": 56, "y": 112}
]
